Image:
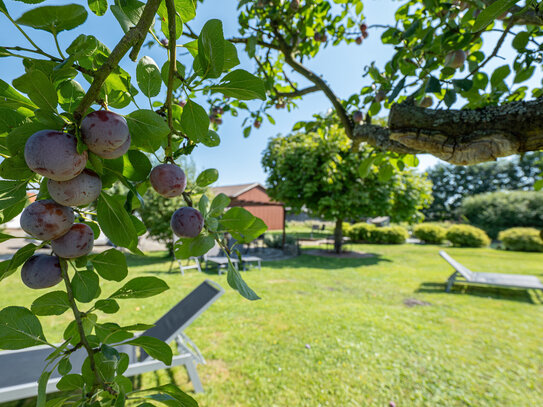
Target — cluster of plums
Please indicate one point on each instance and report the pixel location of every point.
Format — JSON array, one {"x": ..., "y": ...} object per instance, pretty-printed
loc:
[
  {"x": 53, "y": 154},
  {"x": 364, "y": 32}
]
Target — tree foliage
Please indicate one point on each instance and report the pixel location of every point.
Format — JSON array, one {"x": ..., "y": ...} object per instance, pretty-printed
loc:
[
  {"x": 320, "y": 171},
  {"x": 451, "y": 184}
]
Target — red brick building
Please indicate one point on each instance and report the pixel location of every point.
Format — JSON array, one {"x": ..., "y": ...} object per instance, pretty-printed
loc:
[{"x": 254, "y": 198}]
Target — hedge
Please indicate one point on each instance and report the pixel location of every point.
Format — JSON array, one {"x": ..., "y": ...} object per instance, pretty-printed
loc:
[
  {"x": 361, "y": 232},
  {"x": 389, "y": 235},
  {"x": 467, "y": 236},
  {"x": 522, "y": 239},
  {"x": 428, "y": 233},
  {"x": 497, "y": 211}
]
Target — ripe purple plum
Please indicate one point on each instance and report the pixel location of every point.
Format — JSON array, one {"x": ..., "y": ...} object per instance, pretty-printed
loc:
[
  {"x": 47, "y": 219},
  {"x": 426, "y": 102},
  {"x": 455, "y": 59},
  {"x": 257, "y": 124},
  {"x": 41, "y": 271},
  {"x": 357, "y": 116},
  {"x": 363, "y": 27},
  {"x": 380, "y": 95},
  {"x": 79, "y": 191},
  {"x": 104, "y": 132},
  {"x": 53, "y": 154},
  {"x": 358, "y": 40},
  {"x": 187, "y": 222},
  {"x": 118, "y": 152},
  {"x": 168, "y": 180},
  {"x": 78, "y": 242}
]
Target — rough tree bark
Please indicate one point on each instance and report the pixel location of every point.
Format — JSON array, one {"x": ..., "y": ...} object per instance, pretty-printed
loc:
[
  {"x": 461, "y": 137},
  {"x": 338, "y": 236}
]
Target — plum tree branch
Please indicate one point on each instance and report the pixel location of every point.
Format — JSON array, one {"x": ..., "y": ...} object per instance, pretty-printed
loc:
[
  {"x": 499, "y": 44},
  {"x": 170, "y": 6},
  {"x": 318, "y": 81},
  {"x": 136, "y": 35},
  {"x": 299, "y": 92},
  {"x": 461, "y": 137}
]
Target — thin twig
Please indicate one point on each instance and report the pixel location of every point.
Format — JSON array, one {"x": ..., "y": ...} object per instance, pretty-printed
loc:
[{"x": 171, "y": 74}]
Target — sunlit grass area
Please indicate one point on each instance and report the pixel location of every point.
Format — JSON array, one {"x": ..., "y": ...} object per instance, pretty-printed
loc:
[{"x": 338, "y": 332}]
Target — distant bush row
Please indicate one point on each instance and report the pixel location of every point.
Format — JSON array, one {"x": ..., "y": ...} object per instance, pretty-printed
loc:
[{"x": 368, "y": 233}]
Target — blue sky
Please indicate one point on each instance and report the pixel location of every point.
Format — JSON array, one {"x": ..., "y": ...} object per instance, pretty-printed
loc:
[{"x": 238, "y": 158}]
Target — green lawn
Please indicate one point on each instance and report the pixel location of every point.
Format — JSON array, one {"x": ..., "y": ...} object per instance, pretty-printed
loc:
[{"x": 474, "y": 347}]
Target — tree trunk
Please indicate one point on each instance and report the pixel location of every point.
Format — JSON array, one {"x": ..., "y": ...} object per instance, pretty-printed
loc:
[{"x": 338, "y": 236}]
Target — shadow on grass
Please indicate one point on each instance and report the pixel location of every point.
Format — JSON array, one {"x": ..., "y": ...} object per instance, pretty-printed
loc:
[
  {"x": 307, "y": 261},
  {"x": 507, "y": 294}
]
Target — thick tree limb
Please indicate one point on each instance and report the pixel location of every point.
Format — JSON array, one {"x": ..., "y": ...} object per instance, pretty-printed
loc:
[
  {"x": 132, "y": 38},
  {"x": 461, "y": 137}
]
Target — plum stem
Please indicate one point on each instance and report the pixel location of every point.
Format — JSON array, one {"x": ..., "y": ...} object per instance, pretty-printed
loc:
[{"x": 79, "y": 321}]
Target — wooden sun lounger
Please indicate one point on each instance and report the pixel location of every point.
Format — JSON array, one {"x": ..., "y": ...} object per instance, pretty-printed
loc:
[{"x": 464, "y": 275}]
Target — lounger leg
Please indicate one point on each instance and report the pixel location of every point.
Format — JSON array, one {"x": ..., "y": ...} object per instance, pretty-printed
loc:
[
  {"x": 194, "y": 378},
  {"x": 450, "y": 283}
]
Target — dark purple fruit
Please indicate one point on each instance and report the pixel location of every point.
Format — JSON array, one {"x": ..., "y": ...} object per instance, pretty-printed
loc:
[
  {"x": 47, "y": 219},
  {"x": 358, "y": 40},
  {"x": 78, "y": 242},
  {"x": 118, "y": 152},
  {"x": 104, "y": 131},
  {"x": 53, "y": 154},
  {"x": 187, "y": 222},
  {"x": 357, "y": 116},
  {"x": 79, "y": 191},
  {"x": 41, "y": 271},
  {"x": 168, "y": 180}
]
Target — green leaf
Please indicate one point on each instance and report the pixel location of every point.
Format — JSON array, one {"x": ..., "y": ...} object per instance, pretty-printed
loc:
[
  {"x": 148, "y": 77},
  {"x": 193, "y": 247},
  {"x": 111, "y": 265},
  {"x": 64, "y": 367},
  {"x": 211, "y": 139},
  {"x": 85, "y": 285},
  {"x": 127, "y": 13},
  {"x": 140, "y": 287},
  {"x": 39, "y": 89},
  {"x": 4, "y": 237},
  {"x": 219, "y": 203},
  {"x": 257, "y": 228},
  {"x": 19, "y": 328},
  {"x": 450, "y": 97},
  {"x": 54, "y": 19},
  {"x": 147, "y": 129},
  {"x": 3, "y": 8},
  {"x": 386, "y": 171},
  {"x": 521, "y": 40},
  {"x": 9, "y": 97},
  {"x": 98, "y": 7},
  {"x": 231, "y": 59},
  {"x": 108, "y": 306},
  {"x": 42, "y": 388},
  {"x": 242, "y": 85},
  {"x": 136, "y": 165},
  {"x": 83, "y": 45},
  {"x": 186, "y": 9},
  {"x": 15, "y": 168},
  {"x": 237, "y": 219},
  {"x": 70, "y": 382},
  {"x": 499, "y": 75},
  {"x": 115, "y": 222},
  {"x": 156, "y": 348},
  {"x": 211, "y": 48},
  {"x": 364, "y": 168},
  {"x": 70, "y": 94},
  {"x": 178, "y": 397},
  {"x": 491, "y": 13},
  {"x": 207, "y": 177},
  {"x": 12, "y": 192},
  {"x": 53, "y": 303},
  {"x": 237, "y": 283},
  {"x": 463, "y": 84},
  {"x": 8, "y": 267},
  {"x": 538, "y": 185},
  {"x": 194, "y": 121},
  {"x": 396, "y": 91}
]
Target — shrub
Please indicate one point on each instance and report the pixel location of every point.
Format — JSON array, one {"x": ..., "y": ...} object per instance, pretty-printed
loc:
[
  {"x": 522, "y": 239},
  {"x": 502, "y": 210},
  {"x": 346, "y": 228},
  {"x": 275, "y": 241},
  {"x": 389, "y": 235},
  {"x": 361, "y": 232},
  {"x": 428, "y": 233},
  {"x": 467, "y": 236}
]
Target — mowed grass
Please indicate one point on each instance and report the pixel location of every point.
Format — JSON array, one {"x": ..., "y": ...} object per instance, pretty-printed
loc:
[{"x": 336, "y": 332}]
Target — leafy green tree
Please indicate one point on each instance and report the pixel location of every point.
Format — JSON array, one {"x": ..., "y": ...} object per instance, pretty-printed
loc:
[
  {"x": 451, "y": 184},
  {"x": 320, "y": 171}
]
